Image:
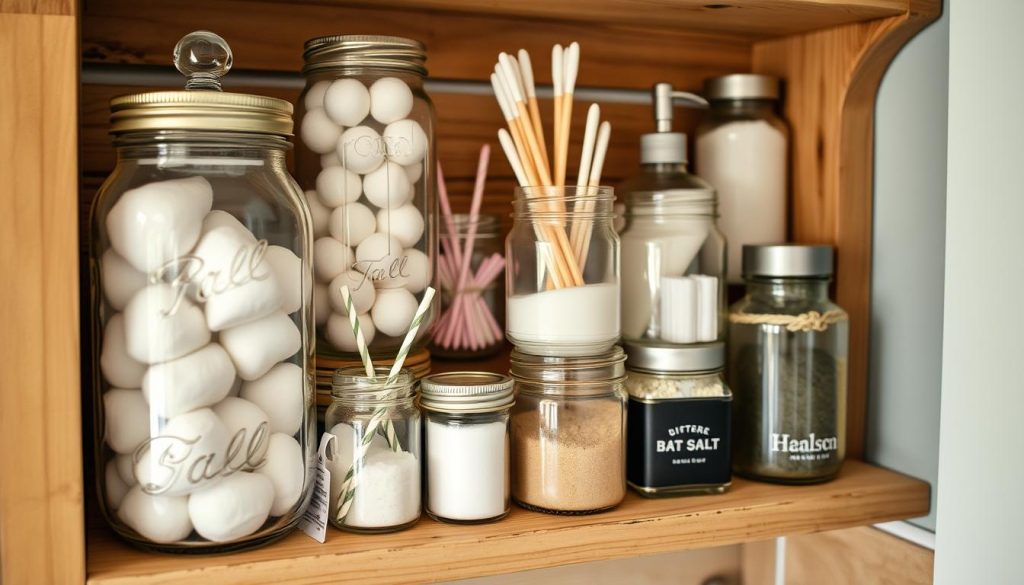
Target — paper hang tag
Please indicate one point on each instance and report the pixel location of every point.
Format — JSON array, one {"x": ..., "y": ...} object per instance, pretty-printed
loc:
[{"x": 314, "y": 521}]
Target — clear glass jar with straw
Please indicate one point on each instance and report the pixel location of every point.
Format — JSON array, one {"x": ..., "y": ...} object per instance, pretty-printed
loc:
[
  {"x": 375, "y": 459},
  {"x": 562, "y": 280}
]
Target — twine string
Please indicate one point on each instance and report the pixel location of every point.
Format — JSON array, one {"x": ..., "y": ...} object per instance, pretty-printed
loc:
[{"x": 809, "y": 321}]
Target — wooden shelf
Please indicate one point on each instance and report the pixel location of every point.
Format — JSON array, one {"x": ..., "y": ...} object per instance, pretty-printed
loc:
[{"x": 749, "y": 511}]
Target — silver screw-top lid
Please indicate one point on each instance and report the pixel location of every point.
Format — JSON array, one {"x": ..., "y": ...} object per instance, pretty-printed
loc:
[
  {"x": 787, "y": 260},
  {"x": 742, "y": 86},
  {"x": 663, "y": 147},
  {"x": 463, "y": 392},
  {"x": 668, "y": 357}
]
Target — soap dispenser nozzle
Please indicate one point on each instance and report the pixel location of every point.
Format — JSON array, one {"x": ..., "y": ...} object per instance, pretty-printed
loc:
[{"x": 665, "y": 98}]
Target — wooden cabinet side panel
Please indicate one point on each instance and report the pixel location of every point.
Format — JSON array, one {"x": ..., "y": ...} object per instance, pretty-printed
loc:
[
  {"x": 42, "y": 536},
  {"x": 856, "y": 556}
]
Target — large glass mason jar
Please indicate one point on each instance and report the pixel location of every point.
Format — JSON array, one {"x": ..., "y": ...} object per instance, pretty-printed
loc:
[
  {"x": 375, "y": 460},
  {"x": 367, "y": 161},
  {"x": 569, "y": 432},
  {"x": 788, "y": 346},
  {"x": 202, "y": 328},
  {"x": 562, "y": 272}
]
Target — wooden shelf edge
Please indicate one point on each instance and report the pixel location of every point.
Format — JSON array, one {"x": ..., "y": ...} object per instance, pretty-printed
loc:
[{"x": 750, "y": 511}]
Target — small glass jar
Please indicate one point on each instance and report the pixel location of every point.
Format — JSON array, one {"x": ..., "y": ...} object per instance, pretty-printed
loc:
[
  {"x": 367, "y": 160},
  {"x": 569, "y": 432},
  {"x": 679, "y": 419},
  {"x": 742, "y": 150},
  {"x": 788, "y": 346},
  {"x": 483, "y": 297},
  {"x": 673, "y": 258},
  {"x": 562, "y": 279},
  {"x": 376, "y": 426},
  {"x": 467, "y": 445},
  {"x": 201, "y": 317}
]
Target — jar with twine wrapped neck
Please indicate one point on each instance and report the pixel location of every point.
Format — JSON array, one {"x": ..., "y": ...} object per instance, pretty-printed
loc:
[{"x": 788, "y": 346}]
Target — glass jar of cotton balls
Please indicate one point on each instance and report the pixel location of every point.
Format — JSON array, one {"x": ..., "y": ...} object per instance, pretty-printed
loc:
[
  {"x": 367, "y": 129},
  {"x": 202, "y": 368}
]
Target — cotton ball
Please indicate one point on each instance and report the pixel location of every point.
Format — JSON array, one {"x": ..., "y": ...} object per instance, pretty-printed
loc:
[
  {"x": 361, "y": 289},
  {"x": 235, "y": 280},
  {"x": 347, "y": 101},
  {"x": 126, "y": 468},
  {"x": 330, "y": 159},
  {"x": 126, "y": 419},
  {"x": 352, "y": 223},
  {"x": 405, "y": 224},
  {"x": 256, "y": 346},
  {"x": 292, "y": 278},
  {"x": 218, "y": 218},
  {"x": 339, "y": 331},
  {"x": 188, "y": 454},
  {"x": 202, "y": 378},
  {"x": 249, "y": 431},
  {"x": 116, "y": 488},
  {"x": 161, "y": 325},
  {"x": 315, "y": 96},
  {"x": 321, "y": 304},
  {"x": 393, "y": 312},
  {"x": 279, "y": 393},
  {"x": 119, "y": 368},
  {"x": 286, "y": 470},
  {"x": 120, "y": 279},
  {"x": 388, "y": 186},
  {"x": 360, "y": 149},
  {"x": 157, "y": 223},
  {"x": 318, "y": 212},
  {"x": 379, "y": 257},
  {"x": 406, "y": 141},
  {"x": 330, "y": 258},
  {"x": 232, "y": 508},
  {"x": 414, "y": 172},
  {"x": 390, "y": 100},
  {"x": 319, "y": 133},
  {"x": 337, "y": 186},
  {"x": 416, "y": 271},
  {"x": 160, "y": 519}
]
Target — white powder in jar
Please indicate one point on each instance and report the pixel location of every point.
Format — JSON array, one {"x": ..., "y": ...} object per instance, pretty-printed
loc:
[
  {"x": 467, "y": 470},
  {"x": 388, "y": 493},
  {"x": 580, "y": 320}
]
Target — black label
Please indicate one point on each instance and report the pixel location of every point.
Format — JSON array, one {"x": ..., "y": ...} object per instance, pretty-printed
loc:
[{"x": 679, "y": 442}]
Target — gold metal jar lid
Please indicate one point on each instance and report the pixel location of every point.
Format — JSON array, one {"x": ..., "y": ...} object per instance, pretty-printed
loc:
[
  {"x": 203, "y": 57},
  {"x": 369, "y": 51}
]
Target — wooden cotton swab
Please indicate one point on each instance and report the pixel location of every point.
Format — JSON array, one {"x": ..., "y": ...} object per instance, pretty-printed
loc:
[
  {"x": 502, "y": 94},
  {"x": 583, "y": 176},
  {"x": 526, "y": 71},
  {"x": 571, "y": 65},
  {"x": 557, "y": 73},
  {"x": 600, "y": 150},
  {"x": 519, "y": 101}
]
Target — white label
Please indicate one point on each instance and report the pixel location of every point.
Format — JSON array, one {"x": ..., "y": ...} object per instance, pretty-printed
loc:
[{"x": 314, "y": 521}]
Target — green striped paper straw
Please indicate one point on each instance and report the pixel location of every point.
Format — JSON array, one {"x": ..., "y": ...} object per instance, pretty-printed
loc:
[
  {"x": 417, "y": 320},
  {"x": 357, "y": 331}
]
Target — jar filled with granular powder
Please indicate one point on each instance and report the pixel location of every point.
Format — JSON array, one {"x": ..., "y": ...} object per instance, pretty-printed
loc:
[
  {"x": 787, "y": 366},
  {"x": 680, "y": 414},
  {"x": 568, "y": 432},
  {"x": 467, "y": 445}
]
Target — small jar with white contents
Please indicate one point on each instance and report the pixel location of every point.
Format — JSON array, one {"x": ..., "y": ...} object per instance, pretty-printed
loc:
[
  {"x": 367, "y": 160},
  {"x": 199, "y": 258},
  {"x": 467, "y": 445},
  {"x": 376, "y": 429}
]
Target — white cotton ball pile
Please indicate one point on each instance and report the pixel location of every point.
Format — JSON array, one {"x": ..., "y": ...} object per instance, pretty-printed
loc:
[
  {"x": 390, "y": 100},
  {"x": 361, "y": 149},
  {"x": 406, "y": 141},
  {"x": 232, "y": 508},
  {"x": 347, "y": 102},
  {"x": 285, "y": 468},
  {"x": 120, "y": 279},
  {"x": 388, "y": 186},
  {"x": 278, "y": 393},
  {"x": 352, "y": 223}
]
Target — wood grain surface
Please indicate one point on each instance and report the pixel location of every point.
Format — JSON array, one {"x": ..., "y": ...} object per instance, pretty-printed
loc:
[
  {"x": 41, "y": 521},
  {"x": 856, "y": 556},
  {"x": 433, "y": 551}
]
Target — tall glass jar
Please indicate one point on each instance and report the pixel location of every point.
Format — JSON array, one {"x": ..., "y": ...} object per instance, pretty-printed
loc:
[
  {"x": 569, "y": 432},
  {"x": 673, "y": 258},
  {"x": 202, "y": 323},
  {"x": 483, "y": 294},
  {"x": 467, "y": 445},
  {"x": 562, "y": 276},
  {"x": 376, "y": 426},
  {"x": 368, "y": 162},
  {"x": 743, "y": 150},
  {"x": 788, "y": 346}
]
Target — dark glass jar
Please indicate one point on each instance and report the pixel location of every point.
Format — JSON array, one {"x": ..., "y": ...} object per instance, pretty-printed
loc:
[{"x": 788, "y": 346}]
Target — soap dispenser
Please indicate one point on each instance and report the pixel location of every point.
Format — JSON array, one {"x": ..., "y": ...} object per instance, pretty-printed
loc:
[{"x": 673, "y": 254}]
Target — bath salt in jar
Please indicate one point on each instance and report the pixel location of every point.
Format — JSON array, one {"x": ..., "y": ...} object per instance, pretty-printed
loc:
[
  {"x": 366, "y": 159},
  {"x": 376, "y": 429},
  {"x": 201, "y": 317},
  {"x": 562, "y": 272},
  {"x": 467, "y": 445},
  {"x": 569, "y": 432}
]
